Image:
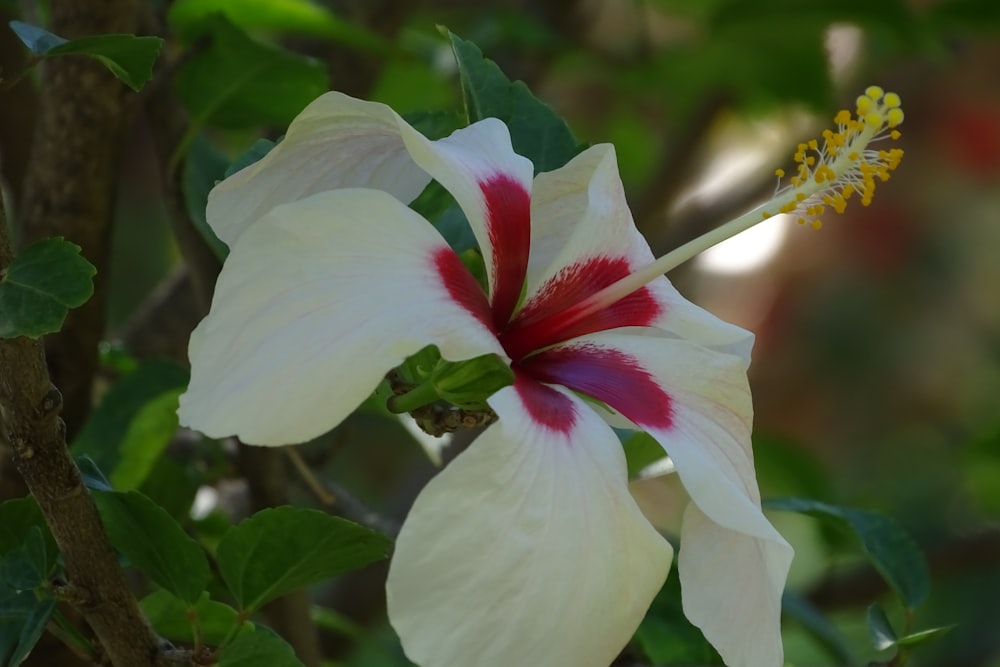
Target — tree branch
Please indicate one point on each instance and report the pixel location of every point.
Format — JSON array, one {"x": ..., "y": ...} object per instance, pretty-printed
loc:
[
  {"x": 72, "y": 178},
  {"x": 30, "y": 426}
]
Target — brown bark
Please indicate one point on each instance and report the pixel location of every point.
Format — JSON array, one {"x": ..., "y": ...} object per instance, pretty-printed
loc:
[
  {"x": 70, "y": 186},
  {"x": 31, "y": 428}
]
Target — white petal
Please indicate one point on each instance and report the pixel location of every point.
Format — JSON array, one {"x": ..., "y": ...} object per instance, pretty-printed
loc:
[
  {"x": 583, "y": 239},
  {"x": 696, "y": 402},
  {"x": 527, "y": 550},
  {"x": 731, "y": 587},
  {"x": 316, "y": 302},
  {"x": 336, "y": 142},
  {"x": 579, "y": 212},
  {"x": 492, "y": 184}
]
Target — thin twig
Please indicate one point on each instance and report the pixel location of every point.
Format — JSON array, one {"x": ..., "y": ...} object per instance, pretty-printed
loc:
[{"x": 307, "y": 476}]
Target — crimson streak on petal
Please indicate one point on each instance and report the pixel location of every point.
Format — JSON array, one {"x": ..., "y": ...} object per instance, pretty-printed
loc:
[
  {"x": 508, "y": 223},
  {"x": 609, "y": 375},
  {"x": 549, "y": 317},
  {"x": 461, "y": 285},
  {"x": 547, "y": 407}
]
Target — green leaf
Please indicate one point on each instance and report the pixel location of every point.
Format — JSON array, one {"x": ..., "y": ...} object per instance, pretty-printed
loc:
[
  {"x": 23, "y": 618},
  {"x": 818, "y": 626},
  {"x": 43, "y": 282},
  {"x": 536, "y": 131},
  {"x": 148, "y": 434},
  {"x": 27, "y": 567},
  {"x": 641, "y": 451},
  {"x": 259, "y": 648},
  {"x": 283, "y": 549},
  {"x": 203, "y": 168},
  {"x": 173, "y": 485},
  {"x": 666, "y": 637},
  {"x": 236, "y": 82},
  {"x": 128, "y": 57},
  {"x": 105, "y": 430},
  {"x": 889, "y": 548},
  {"x": 287, "y": 16},
  {"x": 921, "y": 636},
  {"x": 879, "y": 628},
  {"x": 174, "y": 619},
  {"x": 252, "y": 155},
  {"x": 154, "y": 543},
  {"x": 38, "y": 40},
  {"x": 18, "y": 518},
  {"x": 93, "y": 477},
  {"x": 434, "y": 124}
]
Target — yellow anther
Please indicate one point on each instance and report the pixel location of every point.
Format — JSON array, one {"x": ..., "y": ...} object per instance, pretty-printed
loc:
[
  {"x": 816, "y": 224},
  {"x": 845, "y": 163},
  {"x": 765, "y": 215}
]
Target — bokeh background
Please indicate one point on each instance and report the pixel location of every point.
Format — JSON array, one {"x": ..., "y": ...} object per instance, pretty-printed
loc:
[{"x": 876, "y": 371}]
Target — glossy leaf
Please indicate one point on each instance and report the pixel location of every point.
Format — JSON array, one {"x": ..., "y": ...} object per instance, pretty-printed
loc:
[
  {"x": 175, "y": 619},
  {"x": 536, "y": 131},
  {"x": 302, "y": 17},
  {"x": 43, "y": 282},
  {"x": 148, "y": 434},
  {"x": 104, "y": 431},
  {"x": 257, "y": 151},
  {"x": 818, "y": 626},
  {"x": 279, "y": 550},
  {"x": 27, "y": 567},
  {"x": 921, "y": 636},
  {"x": 880, "y": 628},
  {"x": 889, "y": 548},
  {"x": 236, "y": 82},
  {"x": 641, "y": 451},
  {"x": 38, "y": 40},
  {"x": 93, "y": 477},
  {"x": 18, "y": 518},
  {"x": 154, "y": 543},
  {"x": 23, "y": 618},
  {"x": 128, "y": 57},
  {"x": 259, "y": 648},
  {"x": 204, "y": 167},
  {"x": 666, "y": 637}
]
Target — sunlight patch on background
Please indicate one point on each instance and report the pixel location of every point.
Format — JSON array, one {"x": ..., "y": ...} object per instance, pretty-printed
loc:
[
  {"x": 748, "y": 251},
  {"x": 205, "y": 500}
]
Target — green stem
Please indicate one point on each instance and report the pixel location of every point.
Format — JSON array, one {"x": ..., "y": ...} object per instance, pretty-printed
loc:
[{"x": 418, "y": 397}]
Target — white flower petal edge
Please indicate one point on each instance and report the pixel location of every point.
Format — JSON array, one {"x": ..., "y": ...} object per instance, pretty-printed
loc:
[
  {"x": 340, "y": 142},
  {"x": 526, "y": 550},
  {"x": 336, "y": 142},
  {"x": 731, "y": 588},
  {"x": 731, "y": 557},
  {"x": 316, "y": 302},
  {"x": 579, "y": 212}
]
